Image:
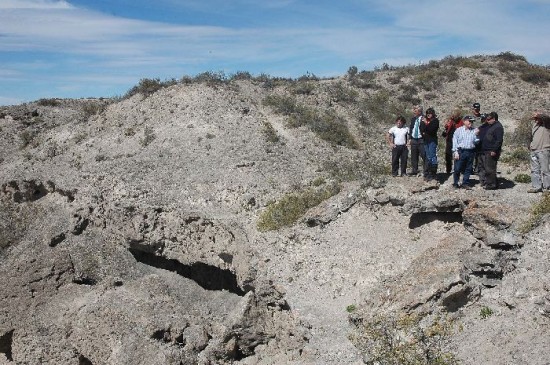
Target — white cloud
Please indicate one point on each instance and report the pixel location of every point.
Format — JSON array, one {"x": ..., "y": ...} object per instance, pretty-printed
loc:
[{"x": 34, "y": 4}]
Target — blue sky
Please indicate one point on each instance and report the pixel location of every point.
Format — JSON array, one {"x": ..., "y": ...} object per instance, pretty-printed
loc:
[{"x": 94, "y": 48}]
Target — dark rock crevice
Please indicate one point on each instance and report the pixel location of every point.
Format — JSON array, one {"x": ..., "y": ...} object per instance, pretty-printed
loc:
[
  {"x": 6, "y": 341},
  {"x": 206, "y": 276},
  {"x": 419, "y": 219}
]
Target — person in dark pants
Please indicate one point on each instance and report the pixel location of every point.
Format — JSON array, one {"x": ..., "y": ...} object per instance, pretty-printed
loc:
[
  {"x": 490, "y": 138},
  {"x": 397, "y": 138},
  {"x": 464, "y": 143},
  {"x": 428, "y": 129},
  {"x": 416, "y": 141},
  {"x": 453, "y": 123},
  {"x": 478, "y": 119}
]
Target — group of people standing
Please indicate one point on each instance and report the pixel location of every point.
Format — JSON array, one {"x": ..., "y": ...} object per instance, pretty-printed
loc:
[{"x": 472, "y": 141}]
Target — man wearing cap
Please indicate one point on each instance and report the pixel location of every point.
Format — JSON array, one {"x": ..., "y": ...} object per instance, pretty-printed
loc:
[
  {"x": 540, "y": 153},
  {"x": 490, "y": 138},
  {"x": 416, "y": 142},
  {"x": 464, "y": 150}
]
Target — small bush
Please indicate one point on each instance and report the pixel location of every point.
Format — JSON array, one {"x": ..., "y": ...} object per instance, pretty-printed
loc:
[
  {"x": 291, "y": 207},
  {"x": 241, "y": 75},
  {"x": 478, "y": 83},
  {"x": 328, "y": 126},
  {"x": 351, "y": 308},
  {"x": 304, "y": 88},
  {"x": 48, "y": 102},
  {"x": 27, "y": 137},
  {"x": 147, "y": 87},
  {"x": 521, "y": 137},
  {"x": 536, "y": 75},
  {"x": 522, "y": 178},
  {"x": 365, "y": 80},
  {"x": 511, "y": 57},
  {"x": 148, "y": 136},
  {"x": 404, "y": 340},
  {"x": 516, "y": 157},
  {"x": 340, "y": 93},
  {"x": 211, "y": 78},
  {"x": 538, "y": 211},
  {"x": 270, "y": 133},
  {"x": 90, "y": 108},
  {"x": 284, "y": 105},
  {"x": 485, "y": 312},
  {"x": 379, "y": 109},
  {"x": 352, "y": 72},
  {"x": 431, "y": 78},
  {"x": 461, "y": 62}
]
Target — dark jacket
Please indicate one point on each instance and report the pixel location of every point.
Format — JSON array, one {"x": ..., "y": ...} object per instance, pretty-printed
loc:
[
  {"x": 492, "y": 137},
  {"x": 429, "y": 131},
  {"x": 411, "y": 127}
]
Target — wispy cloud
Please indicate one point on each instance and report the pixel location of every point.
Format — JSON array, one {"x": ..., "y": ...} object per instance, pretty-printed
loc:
[
  {"x": 34, "y": 4},
  {"x": 56, "y": 40}
]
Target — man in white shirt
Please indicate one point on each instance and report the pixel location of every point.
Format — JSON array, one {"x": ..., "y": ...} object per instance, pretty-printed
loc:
[
  {"x": 397, "y": 138},
  {"x": 464, "y": 151}
]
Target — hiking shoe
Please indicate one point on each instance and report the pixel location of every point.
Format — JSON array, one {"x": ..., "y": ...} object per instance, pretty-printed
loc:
[
  {"x": 466, "y": 187},
  {"x": 535, "y": 190},
  {"x": 456, "y": 186}
]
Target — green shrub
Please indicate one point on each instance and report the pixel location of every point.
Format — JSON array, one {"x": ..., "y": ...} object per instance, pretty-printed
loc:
[
  {"x": 333, "y": 129},
  {"x": 303, "y": 88},
  {"x": 538, "y": 211},
  {"x": 211, "y": 78},
  {"x": 292, "y": 206},
  {"x": 148, "y": 136},
  {"x": 241, "y": 75},
  {"x": 511, "y": 57},
  {"x": 352, "y": 72},
  {"x": 379, "y": 109},
  {"x": 327, "y": 126},
  {"x": 409, "y": 94},
  {"x": 521, "y": 137},
  {"x": 460, "y": 61},
  {"x": 28, "y": 137},
  {"x": 485, "y": 312},
  {"x": 48, "y": 102},
  {"x": 351, "y": 308},
  {"x": 270, "y": 133},
  {"x": 536, "y": 75},
  {"x": 516, "y": 157},
  {"x": 365, "y": 80},
  {"x": 432, "y": 78},
  {"x": 340, "y": 93},
  {"x": 522, "y": 178},
  {"x": 147, "y": 87},
  {"x": 404, "y": 340},
  {"x": 92, "y": 107},
  {"x": 478, "y": 83},
  {"x": 284, "y": 105}
]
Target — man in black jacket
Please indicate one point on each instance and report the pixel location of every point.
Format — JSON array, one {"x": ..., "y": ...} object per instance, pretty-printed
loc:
[{"x": 491, "y": 139}]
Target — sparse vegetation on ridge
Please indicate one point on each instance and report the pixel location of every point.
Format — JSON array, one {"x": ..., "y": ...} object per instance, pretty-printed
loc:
[{"x": 292, "y": 206}]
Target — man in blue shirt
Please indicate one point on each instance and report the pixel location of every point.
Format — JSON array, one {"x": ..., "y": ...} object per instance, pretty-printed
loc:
[{"x": 464, "y": 151}]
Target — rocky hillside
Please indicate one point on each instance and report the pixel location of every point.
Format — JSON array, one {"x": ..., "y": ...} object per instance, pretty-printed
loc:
[{"x": 253, "y": 220}]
